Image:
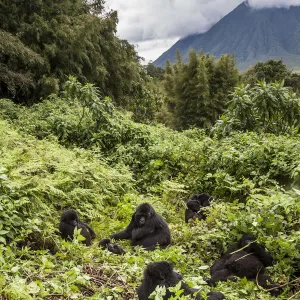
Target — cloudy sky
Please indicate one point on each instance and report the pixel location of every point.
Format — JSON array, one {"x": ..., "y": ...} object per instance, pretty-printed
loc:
[{"x": 153, "y": 26}]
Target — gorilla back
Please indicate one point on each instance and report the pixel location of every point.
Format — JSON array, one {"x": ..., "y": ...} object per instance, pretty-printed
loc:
[
  {"x": 160, "y": 274},
  {"x": 146, "y": 229},
  {"x": 163, "y": 274}
]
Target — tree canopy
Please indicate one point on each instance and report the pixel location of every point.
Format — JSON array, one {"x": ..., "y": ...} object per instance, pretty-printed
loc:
[{"x": 44, "y": 41}]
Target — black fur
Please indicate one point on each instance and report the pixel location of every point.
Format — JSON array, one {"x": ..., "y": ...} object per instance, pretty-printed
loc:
[
  {"x": 146, "y": 229},
  {"x": 244, "y": 259},
  {"x": 215, "y": 296},
  {"x": 194, "y": 205},
  {"x": 114, "y": 248},
  {"x": 163, "y": 274},
  {"x": 69, "y": 221}
]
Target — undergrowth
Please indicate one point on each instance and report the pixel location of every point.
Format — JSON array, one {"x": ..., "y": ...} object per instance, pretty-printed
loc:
[{"x": 54, "y": 157}]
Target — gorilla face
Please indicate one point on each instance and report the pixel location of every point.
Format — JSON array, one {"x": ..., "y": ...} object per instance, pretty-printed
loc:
[
  {"x": 143, "y": 213},
  {"x": 70, "y": 217}
]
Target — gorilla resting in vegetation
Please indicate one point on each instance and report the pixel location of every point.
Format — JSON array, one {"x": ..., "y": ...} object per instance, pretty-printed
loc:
[
  {"x": 69, "y": 221},
  {"x": 162, "y": 274},
  {"x": 244, "y": 259},
  {"x": 146, "y": 229},
  {"x": 194, "y": 206},
  {"x": 114, "y": 248}
]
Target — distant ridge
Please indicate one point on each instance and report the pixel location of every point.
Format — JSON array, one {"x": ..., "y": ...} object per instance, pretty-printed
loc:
[{"x": 252, "y": 34}]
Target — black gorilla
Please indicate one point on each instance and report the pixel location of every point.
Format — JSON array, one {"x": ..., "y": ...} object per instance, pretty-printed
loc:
[
  {"x": 163, "y": 274},
  {"x": 146, "y": 229},
  {"x": 194, "y": 205},
  {"x": 114, "y": 248},
  {"x": 296, "y": 266},
  {"x": 248, "y": 262},
  {"x": 69, "y": 221}
]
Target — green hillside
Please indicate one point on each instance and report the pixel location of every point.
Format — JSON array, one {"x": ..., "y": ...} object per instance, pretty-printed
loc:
[{"x": 47, "y": 165}]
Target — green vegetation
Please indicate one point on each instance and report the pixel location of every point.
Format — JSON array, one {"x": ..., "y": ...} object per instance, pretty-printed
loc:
[
  {"x": 263, "y": 108},
  {"x": 79, "y": 151},
  {"x": 90, "y": 142},
  {"x": 42, "y": 42},
  {"x": 197, "y": 91}
]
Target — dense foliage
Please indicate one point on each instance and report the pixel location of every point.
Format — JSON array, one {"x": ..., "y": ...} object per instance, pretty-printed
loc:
[
  {"x": 78, "y": 151},
  {"x": 263, "y": 108},
  {"x": 270, "y": 71},
  {"x": 198, "y": 89},
  {"x": 89, "y": 146},
  {"x": 43, "y": 41}
]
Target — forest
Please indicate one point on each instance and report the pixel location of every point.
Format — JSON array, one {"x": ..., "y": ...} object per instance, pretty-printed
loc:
[{"x": 84, "y": 125}]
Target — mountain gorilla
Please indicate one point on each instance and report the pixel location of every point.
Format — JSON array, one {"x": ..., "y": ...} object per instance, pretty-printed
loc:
[
  {"x": 163, "y": 274},
  {"x": 69, "y": 221},
  {"x": 146, "y": 229},
  {"x": 194, "y": 205},
  {"x": 248, "y": 262},
  {"x": 114, "y": 248}
]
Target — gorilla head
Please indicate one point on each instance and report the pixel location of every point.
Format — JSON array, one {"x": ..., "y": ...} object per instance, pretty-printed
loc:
[
  {"x": 203, "y": 199},
  {"x": 114, "y": 248},
  {"x": 146, "y": 229},
  {"x": 69, "y": 221},
  {"x": 194, "y": 205},
  {"x": 70, "y": 217},
  {"x": 143, "y": 213},
  {"x": 159, "y": 274}
]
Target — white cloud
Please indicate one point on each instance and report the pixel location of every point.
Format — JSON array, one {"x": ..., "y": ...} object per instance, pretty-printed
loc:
[
  {"x": 155, "y": 25},
  {"x": 142, "y": 20},
  {"x": 273, "y": 3},
  {"x": 152, "y": 49}
]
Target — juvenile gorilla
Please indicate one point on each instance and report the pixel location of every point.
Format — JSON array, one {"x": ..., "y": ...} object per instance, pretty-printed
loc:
[
  {"x": 163, "y": 274},
  {"x": 69, "y": 221},
  {"x": 146, "y": 229},
  {"x": 114, "y": 248},
  {"x": 194, "y": 205},
  {"x": 248, "y": 262}
]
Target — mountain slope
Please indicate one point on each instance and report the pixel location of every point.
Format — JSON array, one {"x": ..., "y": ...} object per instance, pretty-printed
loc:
[{"x": 251, "y": 34}]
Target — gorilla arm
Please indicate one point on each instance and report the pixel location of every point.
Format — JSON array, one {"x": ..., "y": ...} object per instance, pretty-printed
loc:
[
  {"x": 125, "y": 234},
  {"x": 92, "y": 233}
]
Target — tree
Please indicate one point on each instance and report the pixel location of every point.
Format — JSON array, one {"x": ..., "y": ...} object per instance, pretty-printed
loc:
[
  {"x": 193, "y": 94},
  {"x": 269, "y": 71},
  {"x": 19, "y": 67},
  {"x": 155, "y": 72},
  {"x": 263, "y": 108},
  {"x": 74, "y": 37},
  {"x": 224, "y": 77}
]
